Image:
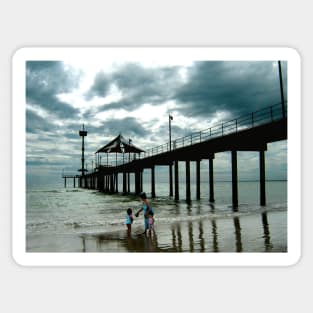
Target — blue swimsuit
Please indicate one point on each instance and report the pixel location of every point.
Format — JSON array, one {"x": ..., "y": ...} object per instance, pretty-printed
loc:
[{"x": 128, "y": 219}]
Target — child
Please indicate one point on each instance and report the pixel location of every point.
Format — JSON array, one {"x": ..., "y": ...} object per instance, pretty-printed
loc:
[
  {"x": 151, "y": 221},
  {"x": 129, "y": 220}
]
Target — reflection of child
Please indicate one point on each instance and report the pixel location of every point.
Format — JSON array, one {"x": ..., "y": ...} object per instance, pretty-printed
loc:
[{"x": 129, "y": 220}]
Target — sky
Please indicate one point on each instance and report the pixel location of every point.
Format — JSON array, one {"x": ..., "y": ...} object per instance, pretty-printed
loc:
[{"x": 135, "y": 98}]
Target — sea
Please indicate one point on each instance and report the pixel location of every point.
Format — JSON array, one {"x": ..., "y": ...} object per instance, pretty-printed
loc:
[{"x": 68, "y": 219}]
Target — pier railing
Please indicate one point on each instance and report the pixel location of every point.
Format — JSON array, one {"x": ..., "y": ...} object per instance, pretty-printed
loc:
[
  {"x": 257, "y": 118},
  {"x": 264, "y": 116}
]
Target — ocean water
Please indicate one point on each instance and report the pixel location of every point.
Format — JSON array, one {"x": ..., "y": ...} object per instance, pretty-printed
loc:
[{"x": 71, "y": 219}]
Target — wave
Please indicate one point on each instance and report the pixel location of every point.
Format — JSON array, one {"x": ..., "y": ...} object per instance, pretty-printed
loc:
[
  {"x": 84, "y": 224},
  {"x": 36, "y": 224}
]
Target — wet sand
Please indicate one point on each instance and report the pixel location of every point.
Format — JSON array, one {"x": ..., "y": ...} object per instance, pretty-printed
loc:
[{"x": 264, "y": 232}]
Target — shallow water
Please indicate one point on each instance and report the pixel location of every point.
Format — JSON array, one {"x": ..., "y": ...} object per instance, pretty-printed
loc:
[{"x": 80, "y": 220}]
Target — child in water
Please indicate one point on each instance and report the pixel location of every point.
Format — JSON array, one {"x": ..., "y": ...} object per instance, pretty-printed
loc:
[
  {"x": 129, "y": 220},
  {"x": 151, "y": 220}
]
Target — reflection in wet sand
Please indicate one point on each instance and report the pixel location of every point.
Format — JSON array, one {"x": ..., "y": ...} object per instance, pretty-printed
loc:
[
  {"x": 203, "y": 234},
  {"x": 201, "y": 239},
  {"x": 214, "y": 233},
  {"x": 266, "y": 230}
]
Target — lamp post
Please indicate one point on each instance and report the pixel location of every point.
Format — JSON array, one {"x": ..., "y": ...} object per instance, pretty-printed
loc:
[
  {"x": 281, "y": 90},
  {"x": 170, "y": 118},
  {"x": 129, "y": 142}
]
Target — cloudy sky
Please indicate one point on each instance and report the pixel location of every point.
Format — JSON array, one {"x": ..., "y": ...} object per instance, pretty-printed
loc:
[{"x": 135, "y": 98}]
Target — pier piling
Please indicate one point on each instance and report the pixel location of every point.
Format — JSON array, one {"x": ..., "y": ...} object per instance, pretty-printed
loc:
[
  {"x": 176, "y": 180},
  {"x": 211, "y": 176},
  {"x": 188, "y": 198},
  {"x": 262, "y": 179},
  {"x": 198, "y": 179},
  {"x": 234, "y": 177},
  {"x": 153, "y": 182}
]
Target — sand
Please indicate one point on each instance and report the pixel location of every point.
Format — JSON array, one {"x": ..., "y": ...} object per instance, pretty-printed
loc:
[{"x": 266, "y": 232}]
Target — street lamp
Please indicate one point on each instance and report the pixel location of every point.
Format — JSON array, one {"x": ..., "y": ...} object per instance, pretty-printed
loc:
[
  {"x": 129, "y": 142},
  {"x": 170, "y": 118},
  {"x": 281, "y": 90}
]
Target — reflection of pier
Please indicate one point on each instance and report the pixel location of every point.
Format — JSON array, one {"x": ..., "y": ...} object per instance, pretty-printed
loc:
[
  {"x": 251, "y": 132},
  {"x": 203, "y": 235}
]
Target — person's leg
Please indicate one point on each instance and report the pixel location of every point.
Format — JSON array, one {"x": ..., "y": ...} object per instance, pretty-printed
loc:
[
  {"x": 146, "y": 224},
  {"x": 129, "y": 229}
]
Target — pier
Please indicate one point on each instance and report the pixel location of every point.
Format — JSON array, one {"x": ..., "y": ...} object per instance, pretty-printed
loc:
[
  {"x": 66, "y": 177},
  {"x": 251, "y": 132}
]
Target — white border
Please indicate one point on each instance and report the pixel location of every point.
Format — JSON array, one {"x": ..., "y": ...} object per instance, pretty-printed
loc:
[{"x": 156, "y": 259}]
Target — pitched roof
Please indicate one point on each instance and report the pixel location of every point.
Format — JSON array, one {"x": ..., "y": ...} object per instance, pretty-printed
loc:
[{"x": 119, "y": 145}]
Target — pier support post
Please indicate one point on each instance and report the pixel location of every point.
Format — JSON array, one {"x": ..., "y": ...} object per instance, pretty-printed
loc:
[
  {"x": 105, "y": 183},
  {"x": 262, "y": 179},
  {"x": 234, "y": 177},
  {"x": 116, "y": 182},
  {"x": 74, "y": 181},
  {"x": 141, "y": 181},
  {"x": 176, "y": 180},
  {"x": 188, "y": 181},
  {"x": 64, "y": 182},
  {"x": 198, "y": 179},
  {"x": 100, "y": 182},
  {"x": 171, "y": 178},
  {"x": 153, "y": 182},
  {"x": 124, "y": 182},
  {"x": 104, "y": 177},
  {"x": 111, "y": 183},
  {"x": 211, "y": 176},
  {"x": 137, "y": 183}
]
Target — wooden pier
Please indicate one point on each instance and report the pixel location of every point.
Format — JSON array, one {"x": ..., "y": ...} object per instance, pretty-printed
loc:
[
  {"x": 247, "y": 133},
  {"x": 73, "y": 177}
]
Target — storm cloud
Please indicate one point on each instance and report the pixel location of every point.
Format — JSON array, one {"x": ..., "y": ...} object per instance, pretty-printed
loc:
[
  {"x": 45, "y": 80},
  {"x": 236, "y": 87},
  {"x": 137, "y": 85}
]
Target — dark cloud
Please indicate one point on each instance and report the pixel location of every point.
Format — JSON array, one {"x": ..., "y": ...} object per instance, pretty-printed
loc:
[
  {"x": 45, "y": 80},
  {"x": 128, "y": 127},
  {"x": 138, "y": 85},
  {"x": 238, "y": 87},
  {"x": 100, "y": 87},
  {"x": 35, "y": 123}
]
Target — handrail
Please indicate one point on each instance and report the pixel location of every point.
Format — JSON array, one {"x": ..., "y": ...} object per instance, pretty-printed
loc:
[
  {"x": 243, "y": 122},
  {"x": 256, "y": 118}
]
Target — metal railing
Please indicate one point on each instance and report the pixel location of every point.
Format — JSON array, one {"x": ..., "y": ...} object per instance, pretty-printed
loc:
[
  {"x": 257, "y": 118},
  {"x": 264, "y": 116}
]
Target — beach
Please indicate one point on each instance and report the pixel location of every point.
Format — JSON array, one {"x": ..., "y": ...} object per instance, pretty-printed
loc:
[{"x": 235, "y": 234}]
